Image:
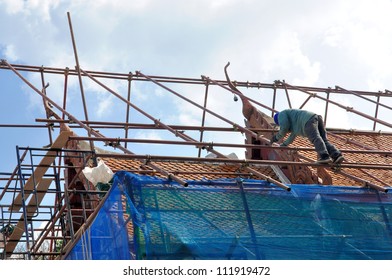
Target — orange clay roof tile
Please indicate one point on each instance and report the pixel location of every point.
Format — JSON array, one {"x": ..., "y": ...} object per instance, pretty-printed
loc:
[
  {"x": 357, "y": 142},
  {"x": 188, "y": 170},
  {"x": 348, "y": 143}
]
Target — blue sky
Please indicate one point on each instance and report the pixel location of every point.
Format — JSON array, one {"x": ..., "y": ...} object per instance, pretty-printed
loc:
[{"x": 311, "y": 43}]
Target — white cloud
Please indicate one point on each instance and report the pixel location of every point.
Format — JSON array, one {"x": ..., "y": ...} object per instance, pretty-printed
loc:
[
  {"x": 13, "y": 6},
  {"x": 105, "y": 107},
  {"x": 362, "y": 33},
  {"x": 285, "y": 55},
  {"x": 10, "y": 52},
  {"x": 149, "y": 135},
  {"x": 41, "y": 8}
]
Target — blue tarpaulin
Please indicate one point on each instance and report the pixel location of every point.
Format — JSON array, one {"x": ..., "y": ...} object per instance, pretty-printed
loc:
[{"x": 144, "y": 217}]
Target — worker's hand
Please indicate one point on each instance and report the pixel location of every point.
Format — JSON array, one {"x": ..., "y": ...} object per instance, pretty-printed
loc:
[{"x": 273, "y": 139}]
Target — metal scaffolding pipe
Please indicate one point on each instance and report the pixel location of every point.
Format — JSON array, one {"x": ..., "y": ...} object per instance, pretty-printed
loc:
[
  {"x": 205, "y": 145},
  {"x": 365, "y": 182},
  {"x": 197, "y": 105},
  {"x": 166, "y": 79},
  {"x": 128, "y": 106},
  {"x": 223, "y": 85},
  {"x": 93, "y": 132},
  {"x": 242, "y": 162},
  {"x": 156, "y": 121},
  {"x": 79, "y": 76},
  {"x": 123, "y": 125},
  {"x": 11, "y": 178},
  {"x": 269, "y": 179},
  {"x": 347, "y": 108},
  {"x": 203, "y": 118}
]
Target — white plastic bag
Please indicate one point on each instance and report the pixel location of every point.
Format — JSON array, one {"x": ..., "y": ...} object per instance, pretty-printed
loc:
[{"x": 99, "y": 174}]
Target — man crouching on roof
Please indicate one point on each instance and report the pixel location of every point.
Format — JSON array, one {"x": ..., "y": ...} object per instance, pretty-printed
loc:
[{"x": 306, "y": 124}]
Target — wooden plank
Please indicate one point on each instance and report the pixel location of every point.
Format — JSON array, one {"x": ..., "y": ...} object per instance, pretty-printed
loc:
[
  {"x": 40, "y": 171},
  {"x": 2, "y": 245}
]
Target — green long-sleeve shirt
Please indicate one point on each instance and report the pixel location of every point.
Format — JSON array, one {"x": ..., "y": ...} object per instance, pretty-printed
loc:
[{"x": 292, "y": 121}]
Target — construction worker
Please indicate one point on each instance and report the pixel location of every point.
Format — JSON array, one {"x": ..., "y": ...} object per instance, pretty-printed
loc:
[{"x": 306, "y": 124}]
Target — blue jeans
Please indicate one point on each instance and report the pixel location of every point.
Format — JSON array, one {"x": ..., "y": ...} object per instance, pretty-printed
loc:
[{"x": 317, "y": 135}]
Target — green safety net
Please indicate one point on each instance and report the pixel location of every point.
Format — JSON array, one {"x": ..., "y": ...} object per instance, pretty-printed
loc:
[{"x": 150, "y": 218}]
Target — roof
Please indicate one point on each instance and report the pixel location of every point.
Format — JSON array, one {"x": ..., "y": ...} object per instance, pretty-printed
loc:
[
  {"x": 365, "y": 155},
  {"x": 357, "y": 148},
  {"x": 189, "y": 170}
]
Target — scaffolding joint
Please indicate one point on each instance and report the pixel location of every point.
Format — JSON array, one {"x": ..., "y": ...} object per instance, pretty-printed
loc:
[
  {"x": 130, "y": 76},
  {"x": 244, "y": 164},
  {"x": 179, "y": 132},
  {"x": 349, "y": 109},
  {"x": 277, "y": 83},
  {"x": 206, "y": 146},
  {"x": 157, "y": 122},
  {"x": 147, "y": 160},
  {"x": 113, "y": 144},
  {"x": 205, "y": 79},
  {"x": 210, "y": 146}
]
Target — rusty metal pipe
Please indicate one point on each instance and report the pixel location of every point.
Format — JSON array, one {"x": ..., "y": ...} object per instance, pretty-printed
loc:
[
  {"x": 156, "y": 121},
  {"x": 217, "y": 144},
  {"x": 287, "y": 94},
  {"x": 365, "y": 182},
  {"x": 222, "y": 85},
  {"x": 14, "y": 173},
  {"x": 240, "y": 161},
  {"x": 93, "y": 132},
  {"x": 195, "y": 104},
  {"x": 203, "y": 118},
  {"x": 187, "y": 127},
  {"x": 79, "y": 76},
  {"x": 166, "y": 79},
  {"x": 128, "y": 106},
  {"x": 348, "y": 108}
]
